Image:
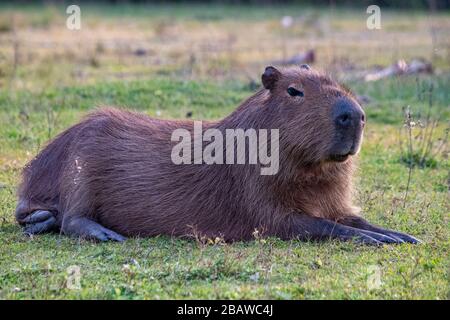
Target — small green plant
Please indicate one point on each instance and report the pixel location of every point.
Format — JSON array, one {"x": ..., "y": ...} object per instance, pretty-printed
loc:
[{"x": 422, "y": 143}]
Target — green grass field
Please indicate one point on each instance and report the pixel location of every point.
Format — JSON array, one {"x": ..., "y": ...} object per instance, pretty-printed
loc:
[{"x": 50, "y": 80}]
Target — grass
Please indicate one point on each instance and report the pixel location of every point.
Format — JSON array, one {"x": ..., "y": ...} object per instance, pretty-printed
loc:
[{"x": 47, "y": 95}]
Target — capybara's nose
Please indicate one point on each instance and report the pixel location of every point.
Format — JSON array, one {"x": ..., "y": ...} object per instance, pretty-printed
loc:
[{"x": 348, "y": 114}]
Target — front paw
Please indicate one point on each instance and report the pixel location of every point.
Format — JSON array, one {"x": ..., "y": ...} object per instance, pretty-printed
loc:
[{"x": 404, "y": 237}]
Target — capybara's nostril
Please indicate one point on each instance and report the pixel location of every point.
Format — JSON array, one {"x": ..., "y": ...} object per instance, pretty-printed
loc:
[
  {"x": 344, "y": 119},
  {"x": 348, "y": 114}
]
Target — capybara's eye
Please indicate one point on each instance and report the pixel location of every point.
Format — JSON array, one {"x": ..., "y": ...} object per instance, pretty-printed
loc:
[{"x": 294, "y": 92}]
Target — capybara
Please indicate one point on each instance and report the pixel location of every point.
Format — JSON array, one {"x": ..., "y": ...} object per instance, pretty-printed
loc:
[{"x": 111, "y": 175}]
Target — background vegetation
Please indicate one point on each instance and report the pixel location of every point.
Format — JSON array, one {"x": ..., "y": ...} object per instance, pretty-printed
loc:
[{"x": 172, "y": 60}]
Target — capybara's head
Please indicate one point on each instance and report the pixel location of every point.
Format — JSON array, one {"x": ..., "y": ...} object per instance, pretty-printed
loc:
[{"x": 321, "y": 121}]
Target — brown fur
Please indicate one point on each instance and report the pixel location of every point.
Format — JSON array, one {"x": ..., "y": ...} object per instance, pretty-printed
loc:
[{"x": 115, "y": 168}]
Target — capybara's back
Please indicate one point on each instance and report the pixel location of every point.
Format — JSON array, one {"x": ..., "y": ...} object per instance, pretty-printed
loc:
[
  {"x": 56, "y": 170},
  {"x": 114, "y": 168}
]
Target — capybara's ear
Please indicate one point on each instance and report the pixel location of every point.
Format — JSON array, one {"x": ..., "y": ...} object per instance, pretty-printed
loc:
[
  {"x": 305, "y": 66},
  {"x": 270, "y": 77}
]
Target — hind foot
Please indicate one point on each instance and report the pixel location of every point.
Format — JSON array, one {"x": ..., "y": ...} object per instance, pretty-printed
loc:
[
  {"x": 85, "y": 228},
  {"x": 39, "y": 221}
]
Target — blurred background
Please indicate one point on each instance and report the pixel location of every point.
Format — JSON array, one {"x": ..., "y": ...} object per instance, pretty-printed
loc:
[{"x": 218, "y": 40}]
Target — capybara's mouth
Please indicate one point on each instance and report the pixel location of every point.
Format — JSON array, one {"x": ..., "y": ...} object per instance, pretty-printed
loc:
[{"x": 339, "y": 157}]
